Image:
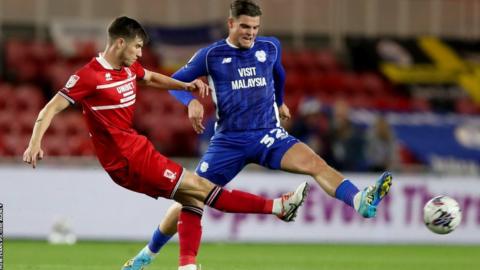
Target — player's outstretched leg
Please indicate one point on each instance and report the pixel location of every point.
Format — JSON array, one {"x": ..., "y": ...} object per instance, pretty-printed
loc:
[
  {"x": 146, "y": 255},
  {"x": 301, "y": 159},
  {"x": 285, "y": 208},
  {"x": 236, "y": 201},
  {"x": 371, "y": 196}
]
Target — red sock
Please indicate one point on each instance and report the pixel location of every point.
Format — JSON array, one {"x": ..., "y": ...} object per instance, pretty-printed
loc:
[
  {"x": 189, "y": 234},
  {"x": 236, "y": 201}
]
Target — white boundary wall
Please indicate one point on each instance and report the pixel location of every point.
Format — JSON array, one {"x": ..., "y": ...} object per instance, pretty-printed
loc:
[{"x": 97, "y": 208}]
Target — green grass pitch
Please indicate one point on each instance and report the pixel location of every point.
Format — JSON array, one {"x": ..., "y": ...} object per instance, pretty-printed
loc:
[{"x": 38, "y": 255}]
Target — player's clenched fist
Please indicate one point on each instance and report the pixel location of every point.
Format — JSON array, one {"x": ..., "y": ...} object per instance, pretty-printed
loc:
[
  {"x": 198, "y": 85},
  {"x": 32, "y": 154}
]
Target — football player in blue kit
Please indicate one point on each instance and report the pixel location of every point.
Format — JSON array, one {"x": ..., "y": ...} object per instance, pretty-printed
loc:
[{"x": 247, "y": 78}]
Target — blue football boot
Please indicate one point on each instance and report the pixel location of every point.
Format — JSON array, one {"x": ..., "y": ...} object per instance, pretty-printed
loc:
[
  {"x": 139, "y": 261},
  {"x": 371, "y": 196}
]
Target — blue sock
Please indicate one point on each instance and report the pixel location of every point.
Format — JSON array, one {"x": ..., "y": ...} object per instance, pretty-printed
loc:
[
  {"x": 158, "y": 240},
  {"x": 346, "y": 191}
]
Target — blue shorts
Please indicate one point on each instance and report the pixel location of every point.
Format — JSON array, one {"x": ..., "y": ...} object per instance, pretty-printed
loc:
[{"x": 229, "y": 152}]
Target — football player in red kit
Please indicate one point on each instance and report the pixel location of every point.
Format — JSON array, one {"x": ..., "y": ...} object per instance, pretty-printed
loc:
[{"x": 106, "y": 88}]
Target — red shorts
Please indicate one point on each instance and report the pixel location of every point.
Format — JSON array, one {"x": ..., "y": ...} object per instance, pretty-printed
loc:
[{"x": 150, "y": 173}]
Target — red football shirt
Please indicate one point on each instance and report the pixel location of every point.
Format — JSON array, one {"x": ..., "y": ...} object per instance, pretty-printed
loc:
[{"x": 108, "y": 96}]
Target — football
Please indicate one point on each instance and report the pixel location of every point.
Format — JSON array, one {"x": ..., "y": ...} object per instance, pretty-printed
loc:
[{"x": 442, "y": 214}]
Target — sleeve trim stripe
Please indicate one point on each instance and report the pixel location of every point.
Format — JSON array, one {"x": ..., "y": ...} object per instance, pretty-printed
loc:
[{"x": 66, "y": 97}]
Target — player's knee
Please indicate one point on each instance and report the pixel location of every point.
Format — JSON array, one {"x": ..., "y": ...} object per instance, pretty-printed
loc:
[
  {"x": 193, "y": 187},
  {"x": 202, "y": 185},
  {"x": 196, "y": 203},
  {"x": 188, "y": 200},
  {"x": 173, "y": 211},
  {"x": 196, "y": 184}
]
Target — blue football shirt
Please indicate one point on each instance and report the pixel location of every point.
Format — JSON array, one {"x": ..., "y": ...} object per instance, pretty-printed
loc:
[{"x": 247, "y": 84}]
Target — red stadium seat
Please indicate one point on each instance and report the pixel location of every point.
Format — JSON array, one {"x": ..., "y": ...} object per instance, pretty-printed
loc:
[
  {"x": 85, "y": 50},
  {"x": 172, "y": 107},
  {"x": 350, "y": 83},
  {"x": 7, "y": 100},
  {"x": 28, "y": 98},
  {"x": 79, "y": 145},
  {"x": 372, "y": 83},
  {"x": 16, "y": 52},
  {"x": 289, "y": 60},
  {"x": 306, "y": 60},
  {"x": 332, "y": 82},
  {"x": 75, "y": 124},
  {"x": 296, "y": 81},
  {"x": 313, "y": 82},
  {"x": 146, "y": 122},
  {"x": 3, "y": 151},
  {"x": 392, "y": 103},
  {"x": 28, "y": 71},
  {"x": 466, "y": 106},
  {"x": 162, "y": 138},
  {"x": 55, "y": 145},
  {"x": 149, "y": 59},
  {"x": 421, "y": 105},
  {"x": 43, "y": 52},
  {"x": 292, "y": 101},
  {"x": 26, "y": 121},
  {"x": 361, "y": 100},
  {"x": 8, "y": 125},
  {"x": 57, "y": 126},
  {"x": 58, "y": 73},
  {"x": 145, "y": 101},
  {"x": 325, "y": 60},
  {"x": 15, "y": 144}
]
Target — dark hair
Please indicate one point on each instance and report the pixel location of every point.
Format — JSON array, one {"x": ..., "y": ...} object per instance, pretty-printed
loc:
[
  {"x": 244, "y": 7},
  {"x": 127, "y": 28}
]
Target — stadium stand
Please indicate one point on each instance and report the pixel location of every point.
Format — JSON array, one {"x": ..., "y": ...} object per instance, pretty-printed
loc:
[{"x": 35, "y": 70}]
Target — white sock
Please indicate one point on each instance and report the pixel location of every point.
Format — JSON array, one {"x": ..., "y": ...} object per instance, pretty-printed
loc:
[
  {"x": 188, "y": 267},
  {"x": 356, "y": 200},
  {"x": 149, "y": 252},
  {"x": 277, "y": 206}
]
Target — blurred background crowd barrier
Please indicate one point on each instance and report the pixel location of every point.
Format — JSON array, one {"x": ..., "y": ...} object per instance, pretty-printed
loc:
[
  {"x": 81, "y": 201},
  {"x": 372, "y": 84}
]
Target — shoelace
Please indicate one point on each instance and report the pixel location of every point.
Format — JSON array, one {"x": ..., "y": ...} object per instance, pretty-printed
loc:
[
  {"x": 385, "y": 188},
  {"x": 285, "y": 197},
  {"x": 370, "y": 194}
]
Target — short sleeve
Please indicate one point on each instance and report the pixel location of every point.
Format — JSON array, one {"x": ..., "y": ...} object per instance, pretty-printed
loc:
[
  {"x": 79, "y": 85},
  {"x": 138, "y": 69}
]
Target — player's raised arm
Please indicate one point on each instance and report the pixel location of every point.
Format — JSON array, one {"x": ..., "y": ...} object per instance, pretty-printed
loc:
[
  {"x": 164, "y": 82},
  {"x": 195, "y": 108},
  {"x": 34, "y": 151},
  {"x": 279, "y": 82},
  {"x": 196, "y": 67}
]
